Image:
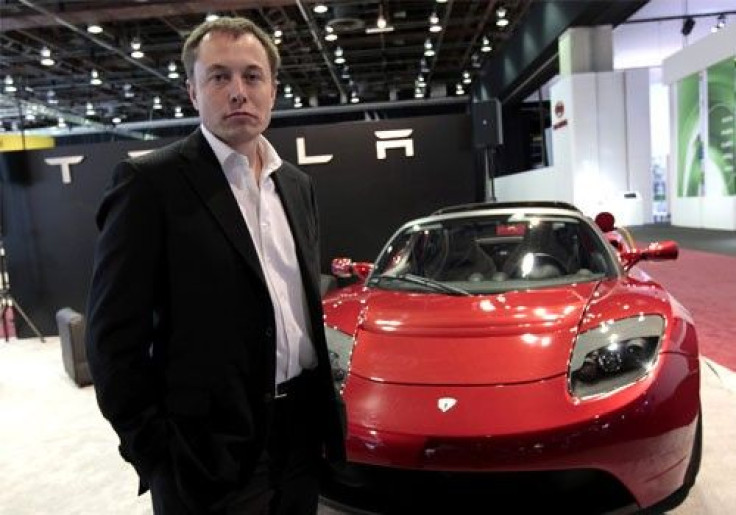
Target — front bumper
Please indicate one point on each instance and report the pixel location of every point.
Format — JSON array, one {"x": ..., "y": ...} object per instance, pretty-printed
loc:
[{"x": 641, "y": 435}]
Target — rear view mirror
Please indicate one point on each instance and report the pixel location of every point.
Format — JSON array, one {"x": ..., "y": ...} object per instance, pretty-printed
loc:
[{"x": 345, "y": 268}]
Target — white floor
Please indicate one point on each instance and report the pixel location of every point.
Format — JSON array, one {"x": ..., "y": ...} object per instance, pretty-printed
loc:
[{"x": 59, "y": 456}]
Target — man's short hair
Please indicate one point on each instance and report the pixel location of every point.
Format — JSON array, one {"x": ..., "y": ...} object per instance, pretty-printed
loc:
[{"x": 229, "y": 25}]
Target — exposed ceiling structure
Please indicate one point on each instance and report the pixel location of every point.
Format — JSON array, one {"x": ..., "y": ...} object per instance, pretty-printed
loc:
[{"x": 97, "y": 77}]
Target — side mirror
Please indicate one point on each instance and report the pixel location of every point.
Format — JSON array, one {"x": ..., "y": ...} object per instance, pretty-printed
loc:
[
  {"x": 345, "y": 268},
  {"x": 605, "y": 221},
  {"x": 655, "y": 251}
]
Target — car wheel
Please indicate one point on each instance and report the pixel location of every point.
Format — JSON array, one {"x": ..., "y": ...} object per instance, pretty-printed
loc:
[{"x": 696, "y": 456}]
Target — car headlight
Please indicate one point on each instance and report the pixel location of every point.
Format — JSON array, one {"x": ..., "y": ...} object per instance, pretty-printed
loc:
[
  {"x": 614, "y": 355},
  {"x": 339, "y": 347}
]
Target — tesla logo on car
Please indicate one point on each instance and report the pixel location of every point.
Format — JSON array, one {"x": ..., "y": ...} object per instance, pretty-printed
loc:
[{"x": 446, "y": 403}]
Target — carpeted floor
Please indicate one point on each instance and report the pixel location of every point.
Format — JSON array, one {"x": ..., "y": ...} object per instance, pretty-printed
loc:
[{"x": 703, "y": 279}]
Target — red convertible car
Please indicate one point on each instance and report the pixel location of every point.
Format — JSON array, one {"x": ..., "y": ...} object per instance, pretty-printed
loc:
[{"x": 516, "y": 338}]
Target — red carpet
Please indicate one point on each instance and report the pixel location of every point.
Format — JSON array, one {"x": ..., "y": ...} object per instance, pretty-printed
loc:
[{"x": 705, "y": 284}]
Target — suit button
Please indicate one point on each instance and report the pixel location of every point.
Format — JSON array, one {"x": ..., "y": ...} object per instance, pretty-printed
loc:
[{"x": 269, "y": 332}]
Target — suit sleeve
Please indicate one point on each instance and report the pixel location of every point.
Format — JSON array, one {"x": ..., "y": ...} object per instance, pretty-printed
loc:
[{"x": 120, "y": 316}]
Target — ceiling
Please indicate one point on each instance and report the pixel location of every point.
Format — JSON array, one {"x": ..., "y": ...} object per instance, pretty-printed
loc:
[{"x": 381, "y": 66}]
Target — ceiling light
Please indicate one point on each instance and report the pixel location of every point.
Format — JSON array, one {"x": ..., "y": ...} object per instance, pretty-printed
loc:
[
  {"x": 46, "y": 59},
  {"x": 466, "y": 77},
  {"x": 501, "y": 21},
  {"x": 435, "y": 28},
  {"x": 177, "y": 112},
  {"x": 720, "y": 23},
  {"x": 381, "y": 22},
  {"x": 459, "y": 89},
  {"x": 331, "y": 36},
  {"x": 128, "y": 89},
  {"x": 687, "y": 26},
  {"x": 277, "y": 33},
  {"x": 93, "y": 28},
  {"x": 9, "y": 85},
  {"x": 287, "y": 91},
  {"x": 211, "y": 17},
  {"x": 418, "y": 93},
  {"x": 61, "y": 123},
  {"x": 51, "y": 97},
  {"x": 173, "y": 74},
  {"x": 157, "y": 103},
  {"x": 90, "y": 109},
  {"x": 434, "y": 19},
  {"x": 339, "y": 59},
  {"x": 441, "y": 1},
  {"x": 297, "y": 102},
  {"x": 354, "y": 99},
  {"x": 485, "y": 45},
  {"x": 420, "y": 80},
  {"x": 137, "y": 53},
  {"x": 320, "y": 8},
  {"x": 30, "y": 117},
  {"x": 428, "y": 50},
  {"x": 116, "y": 120},
  {"x": 94, "y": 78},
  {"x": 345, "y": 72},
  {"x": 423, "y": 68}
]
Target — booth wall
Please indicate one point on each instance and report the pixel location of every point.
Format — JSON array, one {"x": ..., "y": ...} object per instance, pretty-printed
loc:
[{"x": 364, "y": 195}]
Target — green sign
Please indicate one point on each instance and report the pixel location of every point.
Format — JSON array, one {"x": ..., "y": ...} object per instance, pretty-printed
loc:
[
  {"x": 721, "y": 134},
  {"x": 690, "y": 151}
]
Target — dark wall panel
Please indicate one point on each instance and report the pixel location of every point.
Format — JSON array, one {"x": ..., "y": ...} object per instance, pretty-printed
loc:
[{"x": 49, "y": 231}]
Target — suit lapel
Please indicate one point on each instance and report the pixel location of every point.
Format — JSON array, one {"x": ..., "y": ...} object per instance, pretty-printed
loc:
[{"x": 206, "y": 177}]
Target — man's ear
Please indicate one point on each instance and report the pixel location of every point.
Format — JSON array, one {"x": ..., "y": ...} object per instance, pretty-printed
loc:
[{"x": 192, "y": 90}]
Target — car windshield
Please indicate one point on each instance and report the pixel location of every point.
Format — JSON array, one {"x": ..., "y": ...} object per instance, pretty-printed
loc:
[{"x": 493, "y": 253}]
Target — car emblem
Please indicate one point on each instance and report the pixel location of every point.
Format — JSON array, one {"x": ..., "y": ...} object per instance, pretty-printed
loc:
[{"x": 446, "y": 403}]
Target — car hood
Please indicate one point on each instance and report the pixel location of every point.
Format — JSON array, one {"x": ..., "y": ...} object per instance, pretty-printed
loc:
[{"x": 483, "y": 340}]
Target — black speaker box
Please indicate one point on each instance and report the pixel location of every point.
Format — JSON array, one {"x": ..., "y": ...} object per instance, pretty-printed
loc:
[{"x": 487, "y": 129}]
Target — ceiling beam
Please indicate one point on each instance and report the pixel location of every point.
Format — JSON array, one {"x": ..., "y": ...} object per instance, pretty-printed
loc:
[{"x": 133, "y": 12}]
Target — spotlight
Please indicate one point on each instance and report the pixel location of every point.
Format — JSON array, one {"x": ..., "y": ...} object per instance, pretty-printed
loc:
[{"x": 687, "y": 26}]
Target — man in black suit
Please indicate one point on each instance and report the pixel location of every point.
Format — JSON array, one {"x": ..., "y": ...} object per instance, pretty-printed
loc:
[{"x": 205, "y": 335}]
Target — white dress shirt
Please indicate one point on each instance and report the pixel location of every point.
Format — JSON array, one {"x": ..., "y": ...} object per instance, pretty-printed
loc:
[{"x": 269, "y": 228}]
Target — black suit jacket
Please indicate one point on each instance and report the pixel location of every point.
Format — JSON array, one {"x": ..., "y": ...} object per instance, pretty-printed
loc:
[{"x": 180, "y": 325}]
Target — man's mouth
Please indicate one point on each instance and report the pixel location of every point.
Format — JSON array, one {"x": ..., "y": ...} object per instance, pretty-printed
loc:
[{"x": 240, "y": 114}]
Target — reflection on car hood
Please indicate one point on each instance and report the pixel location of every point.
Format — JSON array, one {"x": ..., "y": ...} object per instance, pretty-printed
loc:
[{"x": 492, "y": 339}]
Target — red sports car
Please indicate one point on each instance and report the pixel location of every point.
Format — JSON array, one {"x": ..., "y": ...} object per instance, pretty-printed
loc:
[{"x": 516, "y": 338}]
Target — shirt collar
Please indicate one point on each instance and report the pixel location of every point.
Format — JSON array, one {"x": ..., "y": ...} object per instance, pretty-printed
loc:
[{"x": 271, "y": 159}]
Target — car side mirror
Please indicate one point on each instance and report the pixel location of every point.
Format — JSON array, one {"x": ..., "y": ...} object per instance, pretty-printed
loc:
[
  {"x": 345, "y": 268},
  {"x": 655, "y": 251}
]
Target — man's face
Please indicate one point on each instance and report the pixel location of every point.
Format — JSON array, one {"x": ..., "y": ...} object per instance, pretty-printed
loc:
[{"x": 232, "y": 87}]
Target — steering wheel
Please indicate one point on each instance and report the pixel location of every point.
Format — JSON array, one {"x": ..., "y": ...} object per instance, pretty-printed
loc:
[{"x": 545, "y": 266}]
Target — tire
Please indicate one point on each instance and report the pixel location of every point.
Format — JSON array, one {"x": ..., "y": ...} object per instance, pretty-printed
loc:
[{"x": 696, "y": 456}]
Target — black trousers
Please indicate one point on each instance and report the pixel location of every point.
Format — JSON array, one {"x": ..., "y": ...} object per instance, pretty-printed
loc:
[{"x": 286, "y": 479}]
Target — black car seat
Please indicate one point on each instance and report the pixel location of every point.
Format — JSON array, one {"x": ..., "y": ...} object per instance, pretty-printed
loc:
[
  {"x": 466, "y": 260},
  {"x": 551, "y": 258}
]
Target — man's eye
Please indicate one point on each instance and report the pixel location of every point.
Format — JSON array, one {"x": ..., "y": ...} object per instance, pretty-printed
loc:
[
  {"x": 218, "y": 77},
  {"x": 253, "y": 77}
]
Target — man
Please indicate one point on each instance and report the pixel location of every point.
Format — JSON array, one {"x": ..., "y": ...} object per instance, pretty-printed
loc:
[{"x": 205, "y": 335}]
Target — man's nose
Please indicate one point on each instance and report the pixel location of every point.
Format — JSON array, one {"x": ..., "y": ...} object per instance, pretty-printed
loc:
[{"x": 237, "y": 90}]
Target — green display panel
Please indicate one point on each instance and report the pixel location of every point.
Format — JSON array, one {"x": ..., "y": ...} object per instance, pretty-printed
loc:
[
  {"x": 690, "y": 146},
  {"x": 721, "y": 134}
]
